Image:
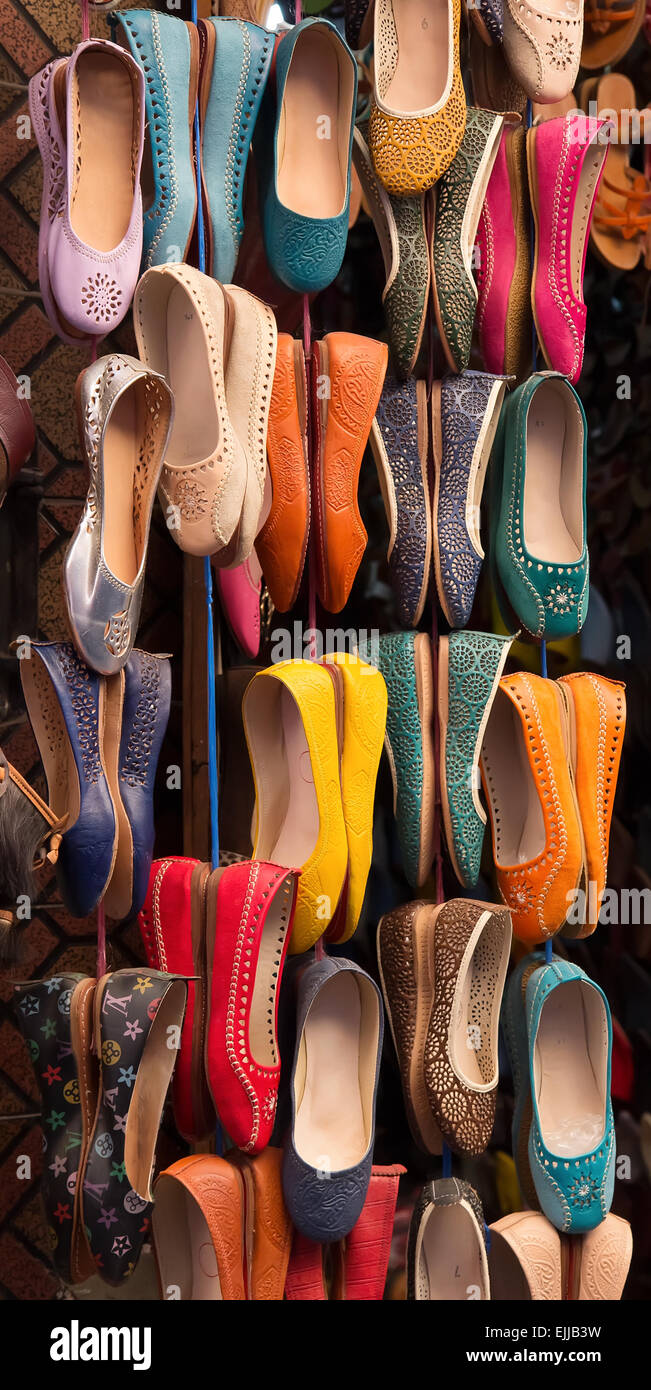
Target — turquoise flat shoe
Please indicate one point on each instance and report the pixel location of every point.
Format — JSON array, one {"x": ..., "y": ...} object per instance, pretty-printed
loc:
[
  {"x": 538, "y": 508},
  {"x": 235, "y": 62},
  {"x": 167, "y": 50},
  {"x": 471, "y": 665},
  {"x": 563, "y": 1108},
  {"x": 303, "y": 151},
  {"x": 405, "y": 661}
]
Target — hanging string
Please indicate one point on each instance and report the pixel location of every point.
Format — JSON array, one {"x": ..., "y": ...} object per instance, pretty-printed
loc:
[{"x": 85, "y": 20}]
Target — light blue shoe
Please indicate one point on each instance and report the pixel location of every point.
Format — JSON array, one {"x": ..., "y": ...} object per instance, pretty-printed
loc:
[
  {"x": 559, "y": 1035},
  {"x": 235, "y": 61},
  {"x": 304, "y": 173},
  {"x": 471, "y": 665},
  {"x": 167, "y": 50}
]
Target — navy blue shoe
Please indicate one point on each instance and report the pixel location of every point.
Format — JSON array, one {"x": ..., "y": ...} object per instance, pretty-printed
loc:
[
  {"x": 137, "y": 711},
  {"x": 329, "y": 1152},
  {"x": 66, "y": 706}
]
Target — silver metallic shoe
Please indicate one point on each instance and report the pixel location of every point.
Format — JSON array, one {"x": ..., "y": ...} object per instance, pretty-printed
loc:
[{"x": 125, "y": 414}]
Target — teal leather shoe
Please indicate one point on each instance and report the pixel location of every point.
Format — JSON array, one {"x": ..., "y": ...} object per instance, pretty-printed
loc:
[
  {"x": 470, "y": 667},
  {"x": 303, "y": 151},
  {"x": 539, "y": 553},
  {"x": 167, "y": 50},
  {"x": 563, "y": 1019},
  {"x": 405, "y": 661},
  {"x": 235, "y": 62}
]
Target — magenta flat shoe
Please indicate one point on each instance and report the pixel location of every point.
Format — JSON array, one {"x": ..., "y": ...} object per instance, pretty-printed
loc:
[
  {"x": 239, "y": 592},
  {"x": 565, "y": 158}
]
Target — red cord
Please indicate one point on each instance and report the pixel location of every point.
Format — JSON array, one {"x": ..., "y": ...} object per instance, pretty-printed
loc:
[{"x": 85, "y": 20}]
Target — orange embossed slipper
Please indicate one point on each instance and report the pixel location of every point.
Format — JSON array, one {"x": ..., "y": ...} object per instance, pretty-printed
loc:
[{"x": 281, "y": 544}]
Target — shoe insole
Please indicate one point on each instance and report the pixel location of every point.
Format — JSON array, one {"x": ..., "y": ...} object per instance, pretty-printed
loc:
[
  {"x": 121, "y": 454},
  {"x": 569, "y": 1069},
  {"x": 474, "y": 1021},
  {"x": 103, "y": 191},
  {"x": 185, "y": 1253},
  {"x": 262, "y": 1018},
  {"x": 312, "y": 177},
  {"x": 552, "y": 519},
  {"x": 330, "y": 1130},
  {"x": 449, "y": 1264},
  {"x": 581, "y": 220},
  {"x": 196, "y": 432},
  {"x": 300, "y": 827},
  {"x": 517, "y": 814},
  {"x": 421, "y": 74}
]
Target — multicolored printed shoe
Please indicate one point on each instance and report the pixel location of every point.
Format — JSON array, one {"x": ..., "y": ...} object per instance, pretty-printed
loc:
[
  {"x": 469, "y": 671},
  {"x": 459, "y": 198},
  {"x": 465, "y": 415},
  {"x": 138, "y": 1016},
  {"x": 55, "y": 1019},
  {"x": 399, "y": 444}
]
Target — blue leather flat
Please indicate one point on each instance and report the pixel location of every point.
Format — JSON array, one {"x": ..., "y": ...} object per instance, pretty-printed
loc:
[
  {"x": 304, "y": 172},
  {"x": 167, "y": 50},
  {"x": 328, "y": 1155},
  {"x": 66, "y": 706},
  {"x": 235, "y": 62}
]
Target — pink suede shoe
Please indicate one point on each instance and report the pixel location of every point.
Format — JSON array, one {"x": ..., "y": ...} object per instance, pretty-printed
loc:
[
  {"x": 239, "y": 592},
  {"x": 565, "y": 159},
  {"x": 503, "y": 314},
  {"x": 88, "y": 116}
]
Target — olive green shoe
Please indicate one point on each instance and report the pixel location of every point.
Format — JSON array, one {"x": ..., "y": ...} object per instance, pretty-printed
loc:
[{"x": 459, "y": 197}]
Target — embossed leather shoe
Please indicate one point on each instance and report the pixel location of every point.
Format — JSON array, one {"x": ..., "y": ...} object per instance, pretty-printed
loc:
[
  {"x": 399, "y": 444},
  {"x": 281, "y": 543},
  {"x": 446, "y": 1254},
  {"x": 197, "y": 1225}
]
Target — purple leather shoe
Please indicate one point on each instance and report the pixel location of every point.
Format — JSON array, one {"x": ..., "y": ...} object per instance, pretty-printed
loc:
[
  {"x": 399, "y": 443},
  {"x": 88, "y": 118}
]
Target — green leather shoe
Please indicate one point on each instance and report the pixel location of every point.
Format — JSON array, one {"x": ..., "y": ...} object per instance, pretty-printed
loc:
[
  {"x": 469, "y": 671},
  {"x": 459, "y": 198},
  {"x": 539, "y": 554}
]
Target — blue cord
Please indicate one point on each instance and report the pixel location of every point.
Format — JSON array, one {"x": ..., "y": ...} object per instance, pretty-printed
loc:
[
  {"x": 548, "y": 951},
  {"x": 543, "y": 659},
  {"x": 447, "y": 1161}
]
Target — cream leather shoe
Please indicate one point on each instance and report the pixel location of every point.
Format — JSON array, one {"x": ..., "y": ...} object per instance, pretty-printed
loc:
[{"x": 542, "y": 45}]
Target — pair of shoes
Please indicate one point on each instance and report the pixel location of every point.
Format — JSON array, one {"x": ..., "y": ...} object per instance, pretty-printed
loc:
[
  {"x": 565, "y": 158},
  {"x": 559, "y": 1038},
  {"x": 227, "y": 931},
  {"x": 88, "y": 115},
  {"x": 427, "y": 240},
  {"x": 124, "y": 417},
  {"x": 303, "y": 155},
  {"x": 215, "y": 345},
  {"x": 314, "y": 732},
  {"x": 418, "y": 110},
  {"x": 99, "y": 738},
  {"x": 101, "y": 1054},
  {"x": 226, "y": 63},
  {"x": 465, "y": 410},
  {"x": 538, "y": 524},
  {"x": 220, "y": 1228},
  {"x": 360, "y": 1262},
  {"x": 529, "y": 1260},
  {"x": 442, "y": 970},
  {"x": 542, "y": 46},
  {"x": 17, "y": 433},
  {"x": 328, "y": 1154},
  {"x": 446, "y": 1253},
  {"x": 549, "y": 763},
  {"x": 620, "y": 226},
  {"x": 333, "y": 399}
]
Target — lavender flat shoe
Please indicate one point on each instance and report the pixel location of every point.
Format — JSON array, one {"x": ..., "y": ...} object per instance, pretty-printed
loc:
[{"x": 399, "y": 443}]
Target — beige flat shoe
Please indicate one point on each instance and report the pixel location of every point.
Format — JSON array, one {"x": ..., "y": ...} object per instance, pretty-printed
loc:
[
  {"x": 525, "y": 1258},
  {"x": 542, "y": 45},
  {"x": 601, "y": 1261}
]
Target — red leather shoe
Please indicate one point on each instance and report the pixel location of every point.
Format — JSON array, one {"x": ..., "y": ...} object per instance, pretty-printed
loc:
[
  {"x": 363, "y": 1270},
  {"x": 305, "y": 1278},
  {"x": 249, "y": 916},
  {"x": 172, "y": 928}
]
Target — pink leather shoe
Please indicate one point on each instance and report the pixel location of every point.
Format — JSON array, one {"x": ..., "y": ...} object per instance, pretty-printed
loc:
[
  {"x": 565, "y": 159},
  {"x": 239, "y": 592},
  {"x": 249, "y": 916},
  {"x": 88, "y": 116},
  {"x": 503, "y": 314}
]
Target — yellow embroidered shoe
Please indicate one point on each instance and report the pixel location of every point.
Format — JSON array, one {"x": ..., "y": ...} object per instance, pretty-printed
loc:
[
  {"x": 292, "y": 713},
  {"x": 364, "y": 723},
  {"x": 418, "y": 113}
]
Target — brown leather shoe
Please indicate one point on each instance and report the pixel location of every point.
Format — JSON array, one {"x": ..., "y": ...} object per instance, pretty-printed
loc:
[
  {"x": 268, "y": 1228},
  {"x": 282, "y": 542},
  {"x": 349, "y": 373},
  {"x": 197, "y": 1229}
]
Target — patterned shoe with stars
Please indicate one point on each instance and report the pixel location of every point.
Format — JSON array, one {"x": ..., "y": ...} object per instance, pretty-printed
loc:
[
  {"x": 55, "y": 1018},
  {"x": 138, "y": 1017}
]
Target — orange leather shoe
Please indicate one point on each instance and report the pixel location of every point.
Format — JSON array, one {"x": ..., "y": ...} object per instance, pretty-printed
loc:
[
  {"x": 282, "y": 542},
  {"x": 596, "y": 710},
  {"x": 197, "y": 1230},
  {"x": 537, "y": 837},
  {"x": 267, "y": 1226},
  {"x": 349, "y": 379}
]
